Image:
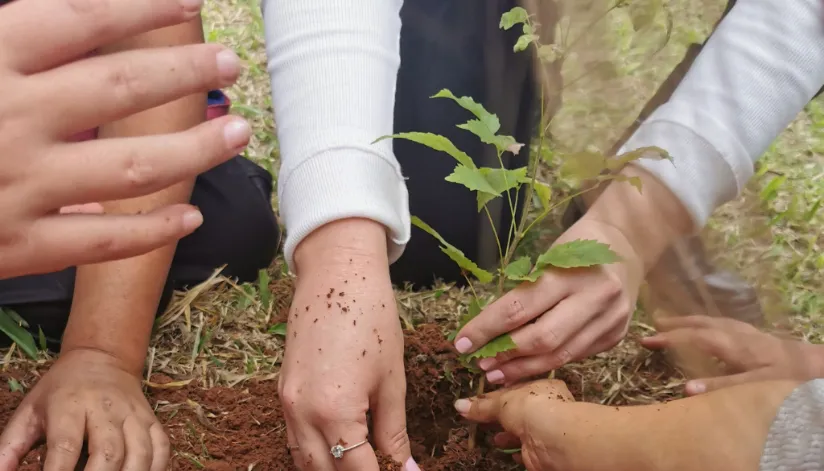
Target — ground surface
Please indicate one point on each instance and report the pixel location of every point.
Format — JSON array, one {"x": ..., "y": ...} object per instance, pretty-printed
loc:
[{"x": 213, "y": 364}]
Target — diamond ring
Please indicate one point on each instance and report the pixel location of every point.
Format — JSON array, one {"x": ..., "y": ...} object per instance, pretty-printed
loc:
[{"x": 338, "y": 450}]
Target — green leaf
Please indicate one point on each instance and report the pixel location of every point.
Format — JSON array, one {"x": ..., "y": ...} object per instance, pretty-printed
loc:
[
  {"x": 502, "y": 143},
  {"x": 278, "y": 329},
  {"x": 15, "y": 386},
  {"x": 472, "y": 178},
  {"x": 501, "y": 181},
  {"x": 500, "y": 344},
  {"x": 488, "y": 119},
  {"x": 15, "y": 317},
  {"x": 549, "y": 53},
  {"x": 523, "y": 42},
  {"x": 649, "y": 152},
  {"x": 513, "y": 17},
  {"x": 263, "y": 289},
  {"x": 436, "y": 142},
  {"x": 475, "y": 307},
  {"x": 452, "y": 252},
  {"x": 11, "y": 326},
  {"x": 510, "y": 451},
  {"x": 583, "y": 166},
  {"x": 518, "y": 269},
  {"x": 576, "y": 254},
  {"x": 44, "y": 344},
  {"x": 543, "y": 192}
]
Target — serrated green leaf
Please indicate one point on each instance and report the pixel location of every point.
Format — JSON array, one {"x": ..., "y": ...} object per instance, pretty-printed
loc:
[
  {"x": 488, "y": 119},
  {"x": 518, "y": 269},
  {"x": 501, "y": 181},
  {"x": 500, "y": 344},
  {"x": 453, "y": 253},
  {"x": 436, "y": 142},
  {"x": 473, "y": 179},
  {"x": 278, "y": 329},
  {"x": 577, "y": 254},
  {"x": 501, "y": 142},
  {"x": 513, "y": 17},
  {"x": 10, "y": 325},
  {"x": 649, "y": 152}
]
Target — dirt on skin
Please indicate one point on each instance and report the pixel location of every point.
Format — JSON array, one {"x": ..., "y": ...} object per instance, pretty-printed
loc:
[{"x": 242, "y": 428}]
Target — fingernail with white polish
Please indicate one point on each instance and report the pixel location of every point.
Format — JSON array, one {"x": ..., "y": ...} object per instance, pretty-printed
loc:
[
  {"x": 463, "y": 345},
  {"x": 462, "y": 406},
  {"x": 495, "y": 376},
  {"x": 192, "y": 220},
  {"x": 486, "y": 363},
  {"x": 237, "y": 133},
  {"x": 411, "y": 465}
]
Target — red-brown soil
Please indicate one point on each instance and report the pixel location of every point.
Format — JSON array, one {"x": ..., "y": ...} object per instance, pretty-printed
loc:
[{"x": 241, "y": 428}]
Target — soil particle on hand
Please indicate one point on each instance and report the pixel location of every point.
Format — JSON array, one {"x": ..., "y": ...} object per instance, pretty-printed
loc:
[{"x": 385, "y": 463}]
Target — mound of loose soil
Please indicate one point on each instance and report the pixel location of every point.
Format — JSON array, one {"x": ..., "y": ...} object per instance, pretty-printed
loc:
[{"x": 241, "y": 428}]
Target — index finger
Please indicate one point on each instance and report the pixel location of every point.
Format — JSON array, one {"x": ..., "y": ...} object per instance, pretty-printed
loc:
[
  {"x": 18, "y": 438},
  {"x": 36, "y": 35},
  {"x": 512, "y": 310}
]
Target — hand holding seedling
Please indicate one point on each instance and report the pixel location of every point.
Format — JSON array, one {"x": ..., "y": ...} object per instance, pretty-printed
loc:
[
  {"x": 746, "y": 354},
  {"x": 55, "y": 98},
  {"x": 564, "y": 316},
  {"x": 88, "y": 396},
  {"x": 344, "y": 352}
]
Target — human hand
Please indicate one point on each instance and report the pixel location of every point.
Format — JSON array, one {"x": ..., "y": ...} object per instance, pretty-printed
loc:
[
  {"x": 565, "y": 316},
  {"x": 747, "y": 354},
  {"x": 533, "y": 418},
  {"x": 55, "y": 97},
  {"x": 344, "y": 352},
  {"x": 87, "y": 395}
]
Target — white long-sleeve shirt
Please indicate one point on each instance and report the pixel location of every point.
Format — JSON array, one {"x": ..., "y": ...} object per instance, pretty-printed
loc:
[{"x": 334, "y": 63}]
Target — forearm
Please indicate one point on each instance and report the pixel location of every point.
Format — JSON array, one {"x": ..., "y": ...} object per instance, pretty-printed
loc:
[
  {"x": 755, "y": 74},
  {"x": 721, "y": 431},
  {"x": 333, "y": 66},
  {"x": 115, "y": 303}
]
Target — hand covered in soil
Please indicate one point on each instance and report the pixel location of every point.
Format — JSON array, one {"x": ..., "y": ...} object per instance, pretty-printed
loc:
[
  {"x": 565, "y": 316},
  {"x": 344, "y": 352},
  {"x": 747, "y": 354},
  {"x": 57, "y": 96},
  {"x": 533, "y": 416},
  {"x": 87, "y": 395}
]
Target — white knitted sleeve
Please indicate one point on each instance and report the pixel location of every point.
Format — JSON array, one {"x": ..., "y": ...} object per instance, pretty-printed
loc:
[
  {"x": 755, "y": 74},
  {"x": 333, "y": 65}
]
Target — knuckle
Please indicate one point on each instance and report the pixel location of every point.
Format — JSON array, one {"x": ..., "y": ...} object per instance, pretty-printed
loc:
[
  {"x": 68, "y": 446},
  {"x": 128, "y": 83},
  {"x": 138, "y": 172},
  {"x": 97, "y": 11},
  {"x": 290, "y": 395},
  {"x": 396, "y": 443},
  {"x": 548, "y": 341},
  {"x": 562, "y": 357},
  {"x": 514, "y": 314}
]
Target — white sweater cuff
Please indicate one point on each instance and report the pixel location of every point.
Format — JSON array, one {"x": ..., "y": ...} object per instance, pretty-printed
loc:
[{"x": 333, "y": 65}]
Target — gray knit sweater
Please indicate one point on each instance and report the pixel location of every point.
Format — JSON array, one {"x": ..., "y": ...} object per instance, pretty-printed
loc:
[{"x": 796, "y": 438}]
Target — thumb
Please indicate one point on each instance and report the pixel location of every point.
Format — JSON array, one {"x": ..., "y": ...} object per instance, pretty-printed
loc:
[
  {"x": 502, "y": 407},
  {"x": 20, "y": 435},
  {"x": 705, "y": 385},
  {"x": 389, "y": 423}
]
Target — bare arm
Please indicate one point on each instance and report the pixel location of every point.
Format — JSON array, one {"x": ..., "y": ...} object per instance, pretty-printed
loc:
[{"x": 115, "y": 303}]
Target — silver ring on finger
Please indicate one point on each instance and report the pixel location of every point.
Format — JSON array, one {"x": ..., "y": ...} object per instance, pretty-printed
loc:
[{"x": 338, "y": 450}]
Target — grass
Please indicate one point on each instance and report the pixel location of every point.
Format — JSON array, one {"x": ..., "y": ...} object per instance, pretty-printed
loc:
[{"x": 224, "y": 333}]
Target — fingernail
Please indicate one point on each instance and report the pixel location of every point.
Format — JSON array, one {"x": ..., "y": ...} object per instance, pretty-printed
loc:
[
  {"x": 695, "y": 387},
  {"x": 463, "y": 345},
  {"x": 462, "y": 406},
  {"x": 411, "y": 465},
  {"x": 495, "y": 376},
  {"x": 192, "y": 220},
  {"x": 191, "y": 6},
  {"x": 228, "y": 65},
  {"x": 237, "y": 133},
  {"x": 486, "y": 363}
]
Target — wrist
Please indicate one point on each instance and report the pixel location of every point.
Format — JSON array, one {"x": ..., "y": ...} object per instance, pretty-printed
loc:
[
  {"x": 355, "y": 242},
  {"x": 99, "y": 356},
  {"x": 651, "y": 219}
]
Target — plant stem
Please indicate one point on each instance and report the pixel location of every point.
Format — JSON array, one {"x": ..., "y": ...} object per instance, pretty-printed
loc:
[{"x": 473, "y": 427}]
